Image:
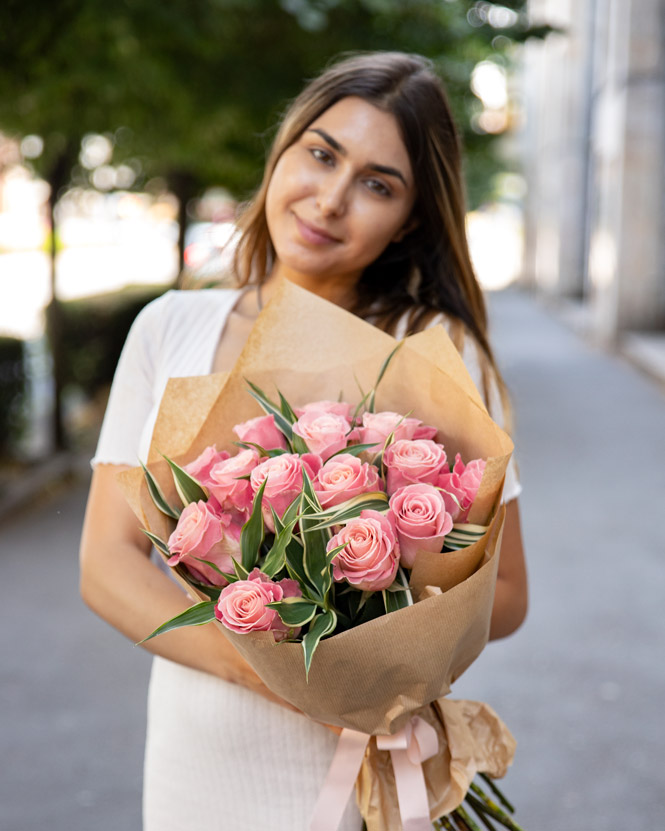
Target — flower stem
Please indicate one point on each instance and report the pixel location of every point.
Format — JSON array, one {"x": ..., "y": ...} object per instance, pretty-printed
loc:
[{"x": 499, "y": 795}]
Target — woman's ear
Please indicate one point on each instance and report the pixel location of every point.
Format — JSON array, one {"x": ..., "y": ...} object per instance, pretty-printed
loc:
[{"x": 411, "y": 224}]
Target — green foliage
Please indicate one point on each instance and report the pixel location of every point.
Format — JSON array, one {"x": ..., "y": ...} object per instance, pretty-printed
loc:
[
  {"x": 189, "y": 86},
  {"x": 93, "y": 333},
  {"x": 194, "y": 616}
]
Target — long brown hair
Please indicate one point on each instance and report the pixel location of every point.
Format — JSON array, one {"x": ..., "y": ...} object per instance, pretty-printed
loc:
[{"x": 429, "y": 271}]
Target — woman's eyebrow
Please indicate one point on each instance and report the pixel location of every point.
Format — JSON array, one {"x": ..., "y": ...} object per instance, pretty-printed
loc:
[{"x": 380, "y": 168}]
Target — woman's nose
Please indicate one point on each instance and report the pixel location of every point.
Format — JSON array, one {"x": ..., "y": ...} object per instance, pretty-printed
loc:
[{"x": 332, "y": 195}]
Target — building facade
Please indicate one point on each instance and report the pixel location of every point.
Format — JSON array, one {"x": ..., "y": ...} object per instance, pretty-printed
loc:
[{"x": 594, "y": 144}]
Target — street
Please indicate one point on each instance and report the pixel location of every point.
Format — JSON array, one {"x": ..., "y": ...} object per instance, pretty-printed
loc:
[{"x": 579, "y": 685}]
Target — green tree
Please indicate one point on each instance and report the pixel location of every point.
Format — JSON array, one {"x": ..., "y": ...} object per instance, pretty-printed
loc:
[{"x": 188, "y": 86}]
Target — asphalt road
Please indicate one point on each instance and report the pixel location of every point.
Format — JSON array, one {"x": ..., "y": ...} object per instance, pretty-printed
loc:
[{"x": 579, "y": 684}]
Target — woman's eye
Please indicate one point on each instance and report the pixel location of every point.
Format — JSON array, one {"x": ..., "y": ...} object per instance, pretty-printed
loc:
[
  {"x": 378, "y": 187},
  {"x": 321, "y": 155}
]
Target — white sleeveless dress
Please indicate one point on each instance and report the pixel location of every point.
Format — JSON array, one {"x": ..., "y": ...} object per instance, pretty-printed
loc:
[{"x": 218, "y": 756}]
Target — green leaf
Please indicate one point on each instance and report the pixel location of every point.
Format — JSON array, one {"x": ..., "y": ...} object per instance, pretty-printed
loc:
[
  {"x": 212, "y": 592},
  {"x": 230, "y": 577},
  {"x": 340, "y": 514},
  {"x": 398, "y": 596},
  {"x": 294, "y": 555},
  {"x": 287, "y": 410},
  {"x": 194, "y": 616},
  {"x": 241, "y": 573},
  {"x": 361, "y": 403},
  {"x": 269, "y": 407},
  {"x": 382, "y": 372},
  {"x": 299, "y": 444},
  {"x": 290, "y": 514},
  {"x": 315, "y": 541},
  {"x": 463, "y": 535},
  {"x": 295, "y": 611},
  {"x": 157, "y": 496},
  {"x": 160, "y": 545},
  {"x": 330, "y": 555},
  {"x": 320, "y": 626},
  {"x": 354, "y": 449},
  {"x": 189, "y": 490},
  {"x": 250, "y": 445},
  {"x": 253, "y": 532},
  {"x": 276, "y": 557}
]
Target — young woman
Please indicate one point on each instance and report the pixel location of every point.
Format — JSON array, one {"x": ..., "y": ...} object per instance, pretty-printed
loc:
[{"x": 361, "y": 203}]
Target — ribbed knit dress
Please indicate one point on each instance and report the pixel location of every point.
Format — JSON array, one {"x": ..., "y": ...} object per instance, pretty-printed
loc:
[{"x": 218, "y": 756}]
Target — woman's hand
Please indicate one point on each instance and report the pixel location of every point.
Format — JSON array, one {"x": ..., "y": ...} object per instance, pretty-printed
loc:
[
  {"x": 123, "y": 586},
  {"x": 511, "y": 596}
]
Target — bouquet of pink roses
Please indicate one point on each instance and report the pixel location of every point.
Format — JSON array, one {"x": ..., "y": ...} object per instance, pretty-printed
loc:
[
  {"x": 342, "y": 534},
  {"x": 313, "y": 526}
]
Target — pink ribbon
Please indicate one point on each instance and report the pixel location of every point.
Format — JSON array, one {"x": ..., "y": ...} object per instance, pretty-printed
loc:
[
  {"x": 339, "y": 780},
  {"x": 409, "y": 748}
]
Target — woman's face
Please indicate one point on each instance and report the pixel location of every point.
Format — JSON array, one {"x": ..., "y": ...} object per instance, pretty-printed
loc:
[{"x": 340, "y": 194}]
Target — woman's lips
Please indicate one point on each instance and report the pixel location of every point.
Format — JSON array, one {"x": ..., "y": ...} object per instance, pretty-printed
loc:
[{"x": 312, "y": 234}]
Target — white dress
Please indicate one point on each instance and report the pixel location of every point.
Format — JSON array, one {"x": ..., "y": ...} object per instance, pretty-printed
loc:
[{"x": 218, "y": 756}]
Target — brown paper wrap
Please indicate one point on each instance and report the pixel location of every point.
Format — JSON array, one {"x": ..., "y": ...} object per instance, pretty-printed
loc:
[
  {"x": 373, "y": 677},
  {"x": 472, "y": 739}
]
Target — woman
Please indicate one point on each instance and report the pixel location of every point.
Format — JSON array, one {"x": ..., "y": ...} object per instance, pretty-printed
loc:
[{"x": 361, "y": 203}]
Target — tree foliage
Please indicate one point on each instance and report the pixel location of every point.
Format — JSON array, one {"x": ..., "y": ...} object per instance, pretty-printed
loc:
[{"x": 194, "y": 84}]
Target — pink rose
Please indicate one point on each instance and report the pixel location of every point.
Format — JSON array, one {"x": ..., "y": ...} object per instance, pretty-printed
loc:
[
  {"x": 463, "y": 483},
  {"x": 201, "y": 466},
  {"x": 410, "y": 462},
  {"x": 343, "y": 477},
  {"x": 371, "y": 557},
  {"x": 323, "y": 433},
  {"x": 242, "y": 605},
  {"x": 201, "y": 532},
  {"x": 336, "y": 407},
  {"x": 378, "y": 426},
  {"x": 231, "y": 492},
  {"x": 283, "y": 477},
  {"x": 261, "y": 430},
  {"x": 421, "y": 520}
]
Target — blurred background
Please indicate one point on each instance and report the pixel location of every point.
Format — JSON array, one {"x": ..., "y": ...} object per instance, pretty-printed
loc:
[{"x": 130, "y": 131}]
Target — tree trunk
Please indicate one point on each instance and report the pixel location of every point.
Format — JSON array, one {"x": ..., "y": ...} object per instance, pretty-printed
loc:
[
  {"x": 184, "y": 186},
  {"x": 57, "y": 179}
]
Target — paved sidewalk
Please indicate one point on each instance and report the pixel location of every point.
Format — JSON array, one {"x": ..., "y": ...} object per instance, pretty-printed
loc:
[{"x": 578, "y": 685}]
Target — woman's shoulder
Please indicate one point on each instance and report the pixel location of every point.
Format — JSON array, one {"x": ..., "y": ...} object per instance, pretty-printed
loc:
[{"x": 186, "y": 306}]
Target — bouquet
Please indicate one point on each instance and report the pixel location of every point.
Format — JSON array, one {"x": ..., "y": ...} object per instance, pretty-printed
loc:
[{"x": 341, "y": 539}]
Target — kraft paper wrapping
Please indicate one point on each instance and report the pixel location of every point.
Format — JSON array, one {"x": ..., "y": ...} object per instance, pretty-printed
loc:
[
  {"x": 472, "y": 739},
  {"x": 371, "y": 678}
]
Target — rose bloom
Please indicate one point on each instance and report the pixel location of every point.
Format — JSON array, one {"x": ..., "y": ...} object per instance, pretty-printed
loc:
[
  {"x": 463, "y": 483},
  {"x": 231, "y": 492},
  {"x": 324, "y": 433},
  {"x": 261, "y": 430},
  {"x": 201, "y": 532},
  {"x": 201, "y": 466},
  {"x": 336, "y": 407},
  {"x": 283, "y": 477},
  {"x": 242, "y": 605},
  {"x": 371, "y": 557},
  {"x": 410, "y": 462},
  {"x": 421, "y": 520},
  {"x": 343, "y": 477},
  {"x": 378, "y": 426}
]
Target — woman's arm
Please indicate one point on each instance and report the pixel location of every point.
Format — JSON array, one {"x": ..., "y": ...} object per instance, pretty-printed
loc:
[
  {"x": 123, "y": 586},
  {"x": 510, "y": 599}
]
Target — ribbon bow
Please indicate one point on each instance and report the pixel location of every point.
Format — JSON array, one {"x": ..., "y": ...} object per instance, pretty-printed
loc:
[{"x": 409, "y": 748}]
